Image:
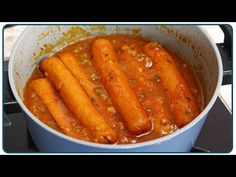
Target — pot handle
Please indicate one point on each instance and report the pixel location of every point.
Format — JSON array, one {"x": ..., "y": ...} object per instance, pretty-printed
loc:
[{"x": 225, "y": 50}]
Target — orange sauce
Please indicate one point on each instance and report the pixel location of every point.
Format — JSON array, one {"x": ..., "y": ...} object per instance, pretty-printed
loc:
[{"x": 149, "y": 94}]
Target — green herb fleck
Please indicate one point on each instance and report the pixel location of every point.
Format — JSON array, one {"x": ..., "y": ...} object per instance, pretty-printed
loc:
[
  {"x": 172, "y": 120},
  {"x": 142, "y": 57}
]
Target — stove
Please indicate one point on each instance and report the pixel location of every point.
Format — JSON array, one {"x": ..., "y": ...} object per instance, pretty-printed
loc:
[{"x": 216, "y": 135}]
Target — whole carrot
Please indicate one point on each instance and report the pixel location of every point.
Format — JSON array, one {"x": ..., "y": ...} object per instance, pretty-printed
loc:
[
  {"x": 162, "y": 118},
  {"x": 124, "y": 99},
  {"x": 183, "y": 104},
  {"x": 45, "y": 92},
  {"x": 77, "y": 101}
]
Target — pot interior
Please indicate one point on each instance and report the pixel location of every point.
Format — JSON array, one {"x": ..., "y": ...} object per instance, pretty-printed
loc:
[{"x": 187, "y": 41}]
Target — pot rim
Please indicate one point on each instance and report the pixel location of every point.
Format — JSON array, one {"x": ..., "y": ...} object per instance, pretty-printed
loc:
[{"x": 116, "y": 146}]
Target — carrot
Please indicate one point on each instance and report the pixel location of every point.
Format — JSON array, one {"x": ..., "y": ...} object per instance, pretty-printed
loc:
[
  {"x": 94, "y": 93},
  {"x": 117, "y": 85},
  {"x": 45, "y": 92},
  {"x": 77, "y": 101},
  {"x": 163, "y": 123},
  {"x": 182, "y": 102},
  {"x": 73, "y": 66},
  {"x": 162, "y": 117}
]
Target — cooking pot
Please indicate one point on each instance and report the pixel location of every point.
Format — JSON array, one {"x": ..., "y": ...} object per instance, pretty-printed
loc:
[{"x": 189, "y": 41}]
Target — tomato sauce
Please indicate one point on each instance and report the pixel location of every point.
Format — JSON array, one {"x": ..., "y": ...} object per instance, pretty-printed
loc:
[{"x": 144, "y": 81}]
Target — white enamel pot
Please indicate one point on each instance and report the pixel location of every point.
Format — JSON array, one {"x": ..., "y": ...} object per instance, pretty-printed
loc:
[{"x": 191, "y": 42}]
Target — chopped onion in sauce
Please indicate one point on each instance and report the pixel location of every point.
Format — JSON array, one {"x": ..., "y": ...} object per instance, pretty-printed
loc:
[
  {"x": 134, "y": 53},
  {"x": 142, "y": 57},
  {"x": 111, "y": 109},
  {"x": 157, "y": 79},
  {"x": 94, "y": 77},
  {"x": 99, "y": 91},
  {"x": 124, "y": 139},
  {"x": 120, "y": 125},
  {"x": 76, "y": 51},
  {"x": 125, "y": 47},
  {"x": 148, "y": 63},
  {"x": 85, "y": 61}
]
